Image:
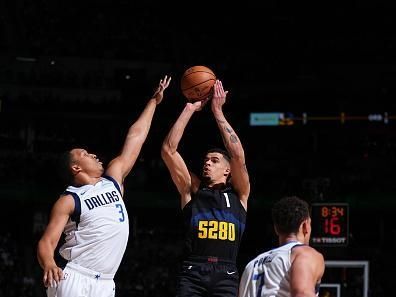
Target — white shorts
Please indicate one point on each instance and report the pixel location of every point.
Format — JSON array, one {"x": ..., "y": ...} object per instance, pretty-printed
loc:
[{"x": 82, "y": 282}]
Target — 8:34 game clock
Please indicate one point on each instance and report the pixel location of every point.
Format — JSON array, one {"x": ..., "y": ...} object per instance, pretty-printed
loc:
[{"x": 330, "y": 224}]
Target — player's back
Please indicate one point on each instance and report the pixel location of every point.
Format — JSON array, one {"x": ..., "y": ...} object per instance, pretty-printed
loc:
[{"x": 267, "y": 275}]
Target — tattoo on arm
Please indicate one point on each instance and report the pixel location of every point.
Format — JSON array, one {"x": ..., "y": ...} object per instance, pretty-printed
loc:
[{"x": 233, "y": 138}]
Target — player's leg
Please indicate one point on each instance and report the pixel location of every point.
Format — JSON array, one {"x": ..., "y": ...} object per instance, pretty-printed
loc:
[
  {"x": 103, "y": 288},
  {"x": 190, "y": 281},
  {"x": 225, "y": 281}
]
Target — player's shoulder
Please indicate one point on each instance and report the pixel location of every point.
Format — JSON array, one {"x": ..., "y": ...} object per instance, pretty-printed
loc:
[
  {"x": 306, "y": 250},
  {"x": 303, "y": 248},
  {"x": 64, "y": 204},
  {"x": 318, "y": 254},
  {"x": 65, "y": 197}
]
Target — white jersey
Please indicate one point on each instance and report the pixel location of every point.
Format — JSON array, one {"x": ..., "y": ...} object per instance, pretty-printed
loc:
[
  {"x": 267, "y": 275},
  {"x": 97, "y": 232}
]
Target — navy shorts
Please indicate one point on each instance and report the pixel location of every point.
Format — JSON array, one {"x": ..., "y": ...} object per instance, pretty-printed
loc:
[{"x": 207, "y": 278}]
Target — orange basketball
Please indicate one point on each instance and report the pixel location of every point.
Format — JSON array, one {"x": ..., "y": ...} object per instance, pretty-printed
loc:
[{"x": 197, "y": 82}]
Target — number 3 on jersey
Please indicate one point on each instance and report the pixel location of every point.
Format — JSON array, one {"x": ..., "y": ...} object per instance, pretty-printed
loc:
[
  {"x": 216, "y": 230},
  {"x": 121, "y": 211}
]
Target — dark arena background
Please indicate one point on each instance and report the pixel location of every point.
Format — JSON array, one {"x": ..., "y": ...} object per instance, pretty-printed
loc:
[{"x": 311, "y": 96}]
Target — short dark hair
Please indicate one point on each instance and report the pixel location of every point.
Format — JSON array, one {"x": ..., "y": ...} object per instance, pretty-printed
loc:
[
  {"x": 288, "y": 213},
  {"x": 225, "y": 154},
  {"x": 64, "y": 161}
]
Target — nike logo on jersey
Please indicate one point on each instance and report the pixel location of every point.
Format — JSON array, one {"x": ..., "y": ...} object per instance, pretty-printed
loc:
[{"x": 230, "y": 272}]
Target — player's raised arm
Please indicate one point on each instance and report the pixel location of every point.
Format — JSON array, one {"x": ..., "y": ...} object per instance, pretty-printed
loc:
[
  {"x": 239, "y": 173},
  {"x": 185, "y": 181},
  {"x": 136, "y": 136}
]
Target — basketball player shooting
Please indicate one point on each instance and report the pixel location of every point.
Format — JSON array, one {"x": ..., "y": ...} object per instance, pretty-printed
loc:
[
  {"x": 214, "y": 205},
  {"x": 92, "y": 214}
]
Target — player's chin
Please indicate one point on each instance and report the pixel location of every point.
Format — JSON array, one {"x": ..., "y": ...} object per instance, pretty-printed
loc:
[{"x": 205, "y": 177}]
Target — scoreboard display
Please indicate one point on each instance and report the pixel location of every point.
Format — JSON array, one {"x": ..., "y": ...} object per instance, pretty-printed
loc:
[{"x": 330, "y": 224}]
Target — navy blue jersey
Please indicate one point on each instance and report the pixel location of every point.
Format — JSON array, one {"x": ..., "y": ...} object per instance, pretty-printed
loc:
[{"x": 214, "y": 223}]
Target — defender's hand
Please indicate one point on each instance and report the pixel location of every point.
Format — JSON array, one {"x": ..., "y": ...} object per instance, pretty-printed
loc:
[{"x": 159, "y": 93}]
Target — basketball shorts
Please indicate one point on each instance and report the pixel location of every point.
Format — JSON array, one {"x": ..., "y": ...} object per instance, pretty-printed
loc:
[
  {"x": 207, "y": 278},
  {"x": 78, "y": 281}
]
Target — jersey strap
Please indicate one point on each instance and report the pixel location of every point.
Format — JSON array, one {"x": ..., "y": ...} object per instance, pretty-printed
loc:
[
  {"x": 114, "y": 182},
  {"x": 75, "y": 217}
]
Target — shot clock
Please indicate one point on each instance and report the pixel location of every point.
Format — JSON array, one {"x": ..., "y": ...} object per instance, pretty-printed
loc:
[{"x": 330, "y": 224}]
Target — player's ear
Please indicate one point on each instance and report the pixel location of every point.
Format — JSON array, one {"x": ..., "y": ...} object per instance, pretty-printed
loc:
[
  {"x": 75, "y": 169},
  {"x": 305, "y": 226}
]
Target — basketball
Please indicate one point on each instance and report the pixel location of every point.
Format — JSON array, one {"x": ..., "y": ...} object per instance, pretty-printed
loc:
[{"x": 197, "y": 82}]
